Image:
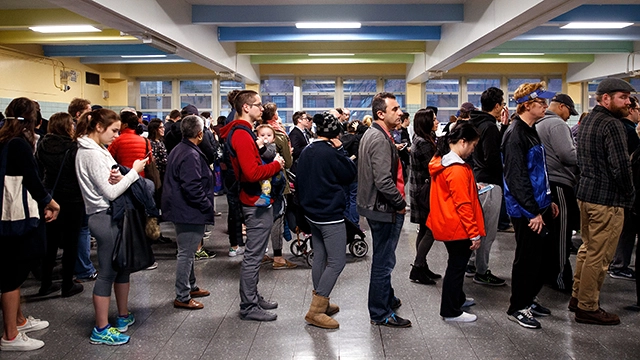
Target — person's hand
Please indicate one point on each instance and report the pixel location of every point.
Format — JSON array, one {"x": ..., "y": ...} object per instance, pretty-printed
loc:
[
  {"x": 335, "y": 142},
  {"x": 115, "y": 176},
  {"x": 280, "y": 160},
  {"x": 403, "y": 211},
  {"x": 51, "y": 211},
  {"x": 474, "y": 244},
  {"x": 399, "y": 146},
  {"x": 536, "y": 224},
  {"x": 504, "y": 116},
  {"x": 555, "y": 211},
  {"x": 139, "y": 164},
  {"x": 259, "y": 142}
]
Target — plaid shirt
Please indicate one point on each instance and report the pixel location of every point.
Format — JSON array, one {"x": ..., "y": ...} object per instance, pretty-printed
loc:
[{"x": 605, "y": 168}]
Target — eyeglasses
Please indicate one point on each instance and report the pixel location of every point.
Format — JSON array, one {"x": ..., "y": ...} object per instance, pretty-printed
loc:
[
  {"x": 540, "y": 101},
  {"x": 256, "y": 105}
]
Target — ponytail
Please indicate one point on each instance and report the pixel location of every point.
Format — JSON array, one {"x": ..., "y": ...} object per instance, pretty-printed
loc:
[{"x": 461, "y": 130}]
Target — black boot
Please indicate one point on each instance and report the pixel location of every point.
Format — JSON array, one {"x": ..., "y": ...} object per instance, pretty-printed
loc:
[
  {"x": 431, "y": 274},
  {"x": 419, "y": 275}
]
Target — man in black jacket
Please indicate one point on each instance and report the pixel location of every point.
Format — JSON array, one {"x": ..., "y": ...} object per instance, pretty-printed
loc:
[
  {"x": 487, "y": 168},
  {"x": 298, "y": 136}
]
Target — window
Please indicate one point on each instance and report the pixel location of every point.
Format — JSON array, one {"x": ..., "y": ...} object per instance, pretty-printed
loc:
[
  {"x": 227, "y": 86},
  {"x": 358, "y": 95},
  {"x": 554, "y": 84},
  {"x": 318, "y": 95},
  {"x": 591, "y": 90},
  {"x": 155, "y": 98},
  {"x": 443, "y": 94},
  {"x": 397, "y": 87},
  {"x": 198, "y": 93},
  {"x": 280, "y": 92},
  {"x": 475, "y": 88},
  {"x": 512, "y": 85},
  {"x": 635, "y": 82}
]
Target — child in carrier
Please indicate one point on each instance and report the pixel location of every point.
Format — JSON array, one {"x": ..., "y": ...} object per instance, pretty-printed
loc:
[{"x": 267, "y": 148}]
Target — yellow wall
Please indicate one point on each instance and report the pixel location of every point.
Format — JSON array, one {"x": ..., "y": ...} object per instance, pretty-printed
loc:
[{"x": 334, "y": 70}]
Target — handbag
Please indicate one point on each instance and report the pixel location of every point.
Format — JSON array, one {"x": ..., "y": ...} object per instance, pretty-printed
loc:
[
  {"x": 132, "y": 251},
  {"x": 151, "y": 171},
  {"x": 19, "y": 210},
  {"x": 424, "y": 196}
]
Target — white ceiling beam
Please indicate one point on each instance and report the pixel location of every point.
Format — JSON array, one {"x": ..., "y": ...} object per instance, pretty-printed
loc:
[{"x": 170, "y": 22}]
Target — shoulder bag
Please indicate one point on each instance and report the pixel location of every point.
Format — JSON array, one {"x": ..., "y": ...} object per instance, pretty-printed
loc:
[{"x": 151, "y": 170}]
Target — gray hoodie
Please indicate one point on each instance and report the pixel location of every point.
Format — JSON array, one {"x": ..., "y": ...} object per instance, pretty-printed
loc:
[
  {"x": 562, "y": 163},
  {"x": 93, "y": 167}
]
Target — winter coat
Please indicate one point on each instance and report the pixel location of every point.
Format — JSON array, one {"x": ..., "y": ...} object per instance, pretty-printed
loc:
[
  {"x": 51, "y": 152},
  {"x": 422, "y": 151}
]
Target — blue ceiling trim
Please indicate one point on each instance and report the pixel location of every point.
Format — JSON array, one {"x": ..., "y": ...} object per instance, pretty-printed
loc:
[
  {"x": 99, "y": 50},
  {"x": 405, "y": 13},
  {"x": 629, "y": 13},
  {"x": 367, "y": 33},
  {"x": 119, "y": 60},
  {"x": 631, "y": 33}
]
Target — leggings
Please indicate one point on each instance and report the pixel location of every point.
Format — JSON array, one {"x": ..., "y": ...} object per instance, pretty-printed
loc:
[{"x": 105, "y": 230}]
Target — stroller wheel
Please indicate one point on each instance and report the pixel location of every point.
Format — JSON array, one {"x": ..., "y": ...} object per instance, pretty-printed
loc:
[
  {"x": 309, "y": 257},
  {"x": 298, "y": 247},
  {"x": 359, "y": 248}
]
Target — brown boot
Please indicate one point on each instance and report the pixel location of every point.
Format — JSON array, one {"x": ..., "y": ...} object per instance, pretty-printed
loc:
[
  {"x": 573, "y": 304},
  {"x": 332, "y": 309},
  {"x": 598, "y": 317},
  {"x": 316, "y": 315}
]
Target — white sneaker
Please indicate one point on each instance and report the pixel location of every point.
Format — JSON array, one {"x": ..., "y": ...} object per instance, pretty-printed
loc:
[
  {"x": 33, "y": 325},
  {"x": 465, "y": 317},
  {"x": 21, "y": 343},
  {"x": 240, "y": 250},
  {"x": 469, "y": 302},
  {"x": 233, "y": 252}
]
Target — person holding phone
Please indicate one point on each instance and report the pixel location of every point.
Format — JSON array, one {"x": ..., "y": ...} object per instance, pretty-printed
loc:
[
  {"x": 456, "y": 215},
  {"x": 130, "y": 146},
  {"x": 528, "y": 201}
]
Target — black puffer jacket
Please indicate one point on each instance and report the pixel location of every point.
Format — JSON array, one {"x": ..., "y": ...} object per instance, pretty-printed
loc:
[{"x": 50, "y": 155}]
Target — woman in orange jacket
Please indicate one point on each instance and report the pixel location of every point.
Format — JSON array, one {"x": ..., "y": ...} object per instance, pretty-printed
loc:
[{"x": 456, "y": 215}]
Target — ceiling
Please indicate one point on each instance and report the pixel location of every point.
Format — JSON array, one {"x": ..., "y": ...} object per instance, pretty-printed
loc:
[{"x": 429, "y": 36}]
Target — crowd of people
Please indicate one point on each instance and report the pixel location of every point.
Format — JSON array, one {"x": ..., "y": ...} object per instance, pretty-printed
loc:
[{"x": 78, "y": 174}]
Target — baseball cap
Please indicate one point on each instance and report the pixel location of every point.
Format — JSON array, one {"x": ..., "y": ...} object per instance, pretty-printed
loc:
[{"x": 566, "y": 100}]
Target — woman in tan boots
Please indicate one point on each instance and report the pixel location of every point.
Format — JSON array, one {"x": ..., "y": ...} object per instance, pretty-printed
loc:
[{"x": 324, "y": 170}]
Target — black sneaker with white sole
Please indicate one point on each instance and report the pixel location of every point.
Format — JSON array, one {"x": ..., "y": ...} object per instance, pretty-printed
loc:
[
  {"x": 525, "y": 319},
  {"x": 488, "y": 279},
  {"x": 539, "y": 310}
]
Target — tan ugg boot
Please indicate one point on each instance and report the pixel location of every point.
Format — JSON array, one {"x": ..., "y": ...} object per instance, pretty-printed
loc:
[
  {"x": 316, "y": 315},
  {"x": 332, "y": 309}
]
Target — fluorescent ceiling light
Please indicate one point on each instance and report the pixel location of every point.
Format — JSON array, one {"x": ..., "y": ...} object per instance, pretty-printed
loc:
[
  {"x": 521, "y": 54},
  {"x": 142, "y": 56},
  {"x": 328, "y": 25},
  {"x": 64, "y": 29},
  {"x": 332, "y": 54},
  {"x": 596, "y": 25}
]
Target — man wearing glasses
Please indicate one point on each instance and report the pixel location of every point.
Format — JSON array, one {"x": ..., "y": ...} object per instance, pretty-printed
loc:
[{"x": 299, "y": 135}]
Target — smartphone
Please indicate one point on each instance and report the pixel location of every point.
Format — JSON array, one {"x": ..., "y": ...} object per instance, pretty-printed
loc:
[
  {"x": 485, "y": 189},
  {"x": 403, "y": 146},
  {"x": 115, "y": 167},
  {"x": 148, "y": 154}
]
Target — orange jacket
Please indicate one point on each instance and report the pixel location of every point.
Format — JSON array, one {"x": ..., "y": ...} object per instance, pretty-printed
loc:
[{"x": 456, "y": 213}]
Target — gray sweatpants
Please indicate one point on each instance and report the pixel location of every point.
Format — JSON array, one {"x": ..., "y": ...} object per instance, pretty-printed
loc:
[
  {"x": 106, "y": 231},
  {"x": 329, "y": 243},
  {"x": 188, "y": 239},
  {"x": 490, "y": 202},
  {"x": 259, "y": 221}
]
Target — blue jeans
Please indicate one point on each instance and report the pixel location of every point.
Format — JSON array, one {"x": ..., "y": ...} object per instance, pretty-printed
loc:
[
  {"x": 84, "y": 267},
  {"x": 351, "y": 211},
  {"x": 385, "y": 240}
]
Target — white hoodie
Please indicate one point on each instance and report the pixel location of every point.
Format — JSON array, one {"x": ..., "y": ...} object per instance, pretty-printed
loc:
[{"x": 93, "y": 168}]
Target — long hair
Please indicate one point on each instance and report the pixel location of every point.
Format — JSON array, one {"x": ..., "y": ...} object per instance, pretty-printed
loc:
[
  {"x": 21, "y": 117},
  {"x": 423, "y": 122},
  {"x": 462, "y": 130},
  {"x": 61, "y": 123},
  {"x": 154, "y": 126},
  {"x": 87, "y": 124}
]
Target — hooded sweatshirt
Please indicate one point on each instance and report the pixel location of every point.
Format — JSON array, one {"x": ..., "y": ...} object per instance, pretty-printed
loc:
[
  {"x": 93, "y": 167},
  {"x": 56, "y": 156},
  {"x": 456, "y": 213}
]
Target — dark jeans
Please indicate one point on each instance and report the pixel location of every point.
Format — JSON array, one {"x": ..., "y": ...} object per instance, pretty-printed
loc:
[
  {"x": 235, "y": 218},
  {"x": 452, "y": 294},
  {"x": 63, "y": 233},
  {"x": 385, "y": 240},
  {"x": 527, "y": 274},
  {"x": 622, "y": 257},
  {"x": 351, "y": 211}
]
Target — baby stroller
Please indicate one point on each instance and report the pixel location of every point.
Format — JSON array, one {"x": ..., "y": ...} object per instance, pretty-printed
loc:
[{"x": 301, "y": 246}]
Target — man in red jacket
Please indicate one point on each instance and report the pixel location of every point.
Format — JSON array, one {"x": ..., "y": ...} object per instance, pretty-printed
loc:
[{"x": 249, "y": 170}]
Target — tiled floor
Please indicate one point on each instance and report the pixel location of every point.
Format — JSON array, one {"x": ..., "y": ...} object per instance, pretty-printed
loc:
[{"x": 216, "y": 332}]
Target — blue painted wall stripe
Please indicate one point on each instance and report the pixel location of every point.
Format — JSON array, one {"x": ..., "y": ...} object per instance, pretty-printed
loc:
[
  {"x": 99, "y": 50},
  {"x": 294, "y": 34},
  {"x": 626, "y": 13}
]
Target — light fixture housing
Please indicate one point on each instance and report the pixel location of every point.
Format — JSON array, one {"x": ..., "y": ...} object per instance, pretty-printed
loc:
[
  {"x": 596, "y": 25},
  {"x": 328, "y": 25},
  {"x": 50, "y": 29},
  {"x": 521, "y": 54},
  {"x": 142, "y": 56},
  {"x": 332, "y": 54}
]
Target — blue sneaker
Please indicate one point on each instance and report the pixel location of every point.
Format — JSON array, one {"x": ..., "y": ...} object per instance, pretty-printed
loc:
[
  {"x": 108, "y": 336},
  {"x": 123, "y": 323}
]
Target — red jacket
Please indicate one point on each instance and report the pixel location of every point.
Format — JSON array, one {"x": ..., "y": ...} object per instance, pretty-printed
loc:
[
  {"x": 129, "y": 147},
  {"x": 456, "y": 213},
  {"x": 247, "y": 164}
]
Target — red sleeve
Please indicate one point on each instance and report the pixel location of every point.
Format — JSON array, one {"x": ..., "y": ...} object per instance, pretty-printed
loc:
[{"x": 251, "y": 167}]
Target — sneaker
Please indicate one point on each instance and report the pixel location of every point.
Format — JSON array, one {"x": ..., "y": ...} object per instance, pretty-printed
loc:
[
  {"x": 33, "y": 324},
  {"x": 525, "y": 318},
  {"x": 202, "y": 254},
  {"x": 267, "y": 305},
  {"x": 393, "y": 321},
  {"x": 123, "y": 323},
  {"x": 259, "y": 314},
  {"x": 598, "y": 317},
  {"x": 539, "y": 310},
  {"x": 21, "y": 343},
  {"x": 44, "y": 291},
  {"x": 153, "y": 266},
  {"x": 464, "y": 317},
  {"x": 469, "y": 302},
  {"x": 508, "y": 229},
  {"x": 624, "y": 274},
  {"x": 239, "y": 250},
  {"x": 108, "y": 336},
  {"x": 470, "y": 271},
  {"x": 91, "y": 277},
  {"x": 488, "y": 279},
  {"x": 73, "y": 290},
  {"x": 285, "y": 265}
]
